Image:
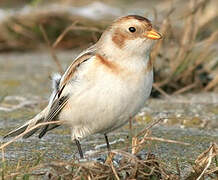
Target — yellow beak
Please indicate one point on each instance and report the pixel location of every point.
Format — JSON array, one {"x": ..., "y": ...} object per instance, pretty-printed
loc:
[{"x": 153, "y": 34}]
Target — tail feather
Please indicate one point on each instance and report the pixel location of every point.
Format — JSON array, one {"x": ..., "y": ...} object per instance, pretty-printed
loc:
[
  {"x": 48, "y": 128},
  {"x": 16, "y": 131},
  {"x": 30, "y": 124},
  {"x": 41, "y": 116},
  {"x": 34, "y": 130}
]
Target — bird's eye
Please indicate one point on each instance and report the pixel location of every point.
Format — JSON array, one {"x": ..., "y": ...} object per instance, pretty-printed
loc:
[{"x": 132, "y": 29}]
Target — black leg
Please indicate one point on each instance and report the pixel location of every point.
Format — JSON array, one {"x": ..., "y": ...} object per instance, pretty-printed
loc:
[
  {"x": 108, "y": 145},
  {"x": 79, "y": 148}
]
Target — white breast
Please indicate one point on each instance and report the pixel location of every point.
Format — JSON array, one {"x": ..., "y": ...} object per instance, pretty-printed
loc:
[{"x": 102, "y": 101}]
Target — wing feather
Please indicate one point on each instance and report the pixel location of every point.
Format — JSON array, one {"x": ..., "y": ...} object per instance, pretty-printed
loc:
[
  {"x": 84, "y": 56},
  {"x": 61, "y": 99},
  {"x": 57, "y": 101},
  {"x": 57, "y": 106}
]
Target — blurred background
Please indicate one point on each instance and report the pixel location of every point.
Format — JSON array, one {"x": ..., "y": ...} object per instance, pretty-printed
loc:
[{"x": 41, "y": 37}]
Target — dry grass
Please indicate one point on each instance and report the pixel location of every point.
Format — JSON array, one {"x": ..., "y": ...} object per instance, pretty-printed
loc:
[
  {"x": 130, "y": 166},
  {"x": 17, "y": 32},
  {"x": 186, "y": 53}
]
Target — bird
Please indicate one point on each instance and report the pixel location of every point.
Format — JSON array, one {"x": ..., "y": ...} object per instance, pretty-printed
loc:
[{"x": 105, "y": 86}]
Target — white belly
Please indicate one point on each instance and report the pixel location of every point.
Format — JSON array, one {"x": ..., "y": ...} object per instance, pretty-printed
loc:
[{"x": 105, "y": 103}]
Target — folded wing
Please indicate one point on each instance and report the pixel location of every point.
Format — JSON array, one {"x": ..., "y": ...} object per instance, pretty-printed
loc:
[{"x": 57, "y": 102}]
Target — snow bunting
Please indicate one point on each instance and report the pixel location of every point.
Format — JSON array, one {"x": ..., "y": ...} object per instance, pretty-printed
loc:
[{"x": 105, "y": 85}]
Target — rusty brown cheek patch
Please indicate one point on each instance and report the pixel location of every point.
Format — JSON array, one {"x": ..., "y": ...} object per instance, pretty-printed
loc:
[{"x": 119, "y": 39}]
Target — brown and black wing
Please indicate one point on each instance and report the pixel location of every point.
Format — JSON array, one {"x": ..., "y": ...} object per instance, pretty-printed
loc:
[{"x": 61, "y": 99}]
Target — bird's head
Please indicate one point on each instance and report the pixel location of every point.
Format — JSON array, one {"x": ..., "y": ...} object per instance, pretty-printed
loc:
[{"x": 132, "y": 34}]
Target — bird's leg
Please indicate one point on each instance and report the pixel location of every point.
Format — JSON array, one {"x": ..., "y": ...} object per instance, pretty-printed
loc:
[
  {"x": 107, "y": 142},
  {"x": 79, "y": 148}
]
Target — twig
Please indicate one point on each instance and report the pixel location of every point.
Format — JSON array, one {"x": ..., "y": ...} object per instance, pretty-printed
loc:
[
  {"x": 187, "y": 40},
  {"x": 73, "y": 27},
  {"x": 114, "y": 171},
  {"x": 212, "y": 171},
  {"x": 94, "y": 29},
  {"x": 137, "y": 144},
  {"x": 28, "y": 130},
  {"x": 208, "y": 164},
  {"x": 61, "y": 36},
  {"x": 212, "y": 84},
  {"x": 54, "y": 57},
  {"x": 149, "y": 126},
  {"x": 195, "y": 8},
  {"x": 166, "y": 140},
  {"x": 203, "y": 54},
  {"x": 77, "y": 172},
  {"x": 161, "y": 90},
  {"x": 184, "y": 89}
]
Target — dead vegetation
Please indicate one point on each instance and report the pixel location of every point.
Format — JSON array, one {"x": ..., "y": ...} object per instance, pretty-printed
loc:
[
  {"x": 190, "y": 61},
  {"x": 18, "y": 31},
  {"x": 131, "y": 163}
]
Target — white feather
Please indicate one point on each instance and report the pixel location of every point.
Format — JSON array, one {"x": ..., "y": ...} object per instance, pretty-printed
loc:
[{"x": 56, "y": 78}]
